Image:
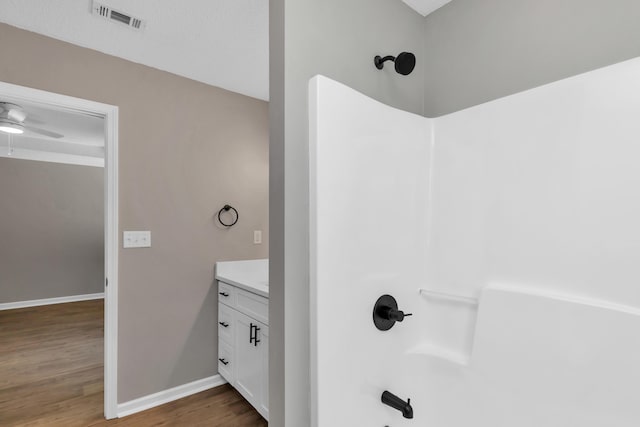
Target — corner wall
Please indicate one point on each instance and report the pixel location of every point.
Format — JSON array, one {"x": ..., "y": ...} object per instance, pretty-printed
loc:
[
  {"x": 186, "y": 149},
  {"x": 479, "y": 50},
  {"x": 337, "y": 39}
]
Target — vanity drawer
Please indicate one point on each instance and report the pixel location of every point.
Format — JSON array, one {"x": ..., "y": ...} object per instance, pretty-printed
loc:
[
  {"x": 225, "y": 323},
  {"x": 253, "y": 305},
  {"x": 226, "y": 361},
  {"x": 227, "y": 294}
]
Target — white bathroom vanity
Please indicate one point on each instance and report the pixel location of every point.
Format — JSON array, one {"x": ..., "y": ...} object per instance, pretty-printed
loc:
[{"x": 243, "y": 329}]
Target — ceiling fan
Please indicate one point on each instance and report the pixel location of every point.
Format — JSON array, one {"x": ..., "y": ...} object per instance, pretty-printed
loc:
[{"x": 14, "y": 120}]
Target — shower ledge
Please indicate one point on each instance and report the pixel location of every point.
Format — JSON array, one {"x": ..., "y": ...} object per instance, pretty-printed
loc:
[{"x": 439, "y": 352}]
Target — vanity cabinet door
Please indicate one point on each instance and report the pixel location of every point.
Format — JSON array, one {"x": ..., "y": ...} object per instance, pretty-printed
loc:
[{"x": 248, "y": 357}]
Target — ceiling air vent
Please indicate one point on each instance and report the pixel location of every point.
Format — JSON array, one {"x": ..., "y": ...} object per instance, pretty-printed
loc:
[{"x": 106, "y": 12}]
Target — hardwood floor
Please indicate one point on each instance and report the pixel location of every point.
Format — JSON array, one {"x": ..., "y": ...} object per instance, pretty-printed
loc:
[{"x": 51, "y": 374}]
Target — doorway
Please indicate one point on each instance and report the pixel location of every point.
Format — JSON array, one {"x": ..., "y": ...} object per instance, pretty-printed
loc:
[{"x": 22, "y": 95}]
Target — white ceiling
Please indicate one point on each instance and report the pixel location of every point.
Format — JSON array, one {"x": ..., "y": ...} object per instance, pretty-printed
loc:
[
  {"x": 425, "y": 7},
  {"x": 222, "y": 43}
]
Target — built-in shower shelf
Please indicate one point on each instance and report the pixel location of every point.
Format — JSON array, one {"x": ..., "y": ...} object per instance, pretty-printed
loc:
[
  {"x": 442, "y": 353},
  {"x": 444, "y": 296}
]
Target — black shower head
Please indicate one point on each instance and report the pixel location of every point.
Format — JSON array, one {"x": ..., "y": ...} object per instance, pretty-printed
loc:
[{"x": 405, "y": 62}]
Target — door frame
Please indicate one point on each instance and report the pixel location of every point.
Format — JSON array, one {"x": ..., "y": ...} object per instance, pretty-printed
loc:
[{"x": 111, "y": 234}]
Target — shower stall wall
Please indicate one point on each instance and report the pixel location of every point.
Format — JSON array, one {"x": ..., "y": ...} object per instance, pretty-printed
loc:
[{"x": 509, "y": 230}]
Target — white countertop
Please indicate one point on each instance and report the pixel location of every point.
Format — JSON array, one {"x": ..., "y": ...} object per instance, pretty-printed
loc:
[{"x": 251, "y": 275}]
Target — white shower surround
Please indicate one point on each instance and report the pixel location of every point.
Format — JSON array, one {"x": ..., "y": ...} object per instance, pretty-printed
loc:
[{"x": 529, "y": 203}]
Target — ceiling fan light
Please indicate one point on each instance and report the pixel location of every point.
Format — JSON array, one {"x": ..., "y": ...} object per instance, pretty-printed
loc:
[{"x": 11, "y": 127}]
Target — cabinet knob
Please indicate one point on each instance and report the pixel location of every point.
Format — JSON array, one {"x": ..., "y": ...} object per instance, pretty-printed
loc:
[
  {"x": 224, "y": 294},
  {"x": 224, "y": 362},
  {"x": 225, "y": 324}
]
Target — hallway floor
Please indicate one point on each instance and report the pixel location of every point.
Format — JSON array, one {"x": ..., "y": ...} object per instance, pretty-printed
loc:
[{"x": 51, "y": 374}]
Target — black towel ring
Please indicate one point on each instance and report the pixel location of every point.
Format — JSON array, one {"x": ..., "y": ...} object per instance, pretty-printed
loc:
[{"x": 226, "y": 208}]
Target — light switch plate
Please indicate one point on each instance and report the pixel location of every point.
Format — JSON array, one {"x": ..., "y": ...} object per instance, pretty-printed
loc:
[
  {"x": 257, "y": 237},
  {"x": 136, "y": 239}
]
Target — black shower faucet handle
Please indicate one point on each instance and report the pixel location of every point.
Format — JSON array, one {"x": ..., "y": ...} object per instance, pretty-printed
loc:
[
  {"x": 394, "y": 314},
  {"x": 386, "y": 313}
]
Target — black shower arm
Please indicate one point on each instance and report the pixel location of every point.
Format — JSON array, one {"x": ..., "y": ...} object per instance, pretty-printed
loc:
[
  {"x": 379, "y": 61},
  {"x": 386, "y": 58}
]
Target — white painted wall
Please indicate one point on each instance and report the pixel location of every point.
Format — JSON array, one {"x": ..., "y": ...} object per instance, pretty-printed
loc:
[{"x": 529, "y": 204}]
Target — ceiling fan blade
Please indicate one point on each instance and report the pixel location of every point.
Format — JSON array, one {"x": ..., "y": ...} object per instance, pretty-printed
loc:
[
  {"x": 34, "y": 120},
  {"x": 45, "y": 132}
]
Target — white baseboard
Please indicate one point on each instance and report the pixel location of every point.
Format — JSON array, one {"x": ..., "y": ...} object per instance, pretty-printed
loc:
[
  {"x": 49, "y": 301},
  {"x": 147, "y": 402}
]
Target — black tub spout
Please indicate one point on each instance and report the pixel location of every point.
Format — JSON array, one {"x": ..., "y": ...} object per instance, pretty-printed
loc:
[{"x": 395, "y": 402}]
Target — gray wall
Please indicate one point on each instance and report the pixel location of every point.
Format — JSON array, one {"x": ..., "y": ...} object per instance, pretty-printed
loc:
[
  {"x": 479, "y": 50},
  {"x": 186, "y": 149},
  {"x": 338, "y": 39},
  {"x": 51, "y": 230}
]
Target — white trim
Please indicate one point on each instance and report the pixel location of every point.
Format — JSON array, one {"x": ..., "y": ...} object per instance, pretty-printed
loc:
[
  {"x": 156, "y": 399},
  {"x": 52, "y": 157},
  {"x": 112, "y": 236},
  {"x": 49, "y": 301},
  {"x": 110, "y": 113}
]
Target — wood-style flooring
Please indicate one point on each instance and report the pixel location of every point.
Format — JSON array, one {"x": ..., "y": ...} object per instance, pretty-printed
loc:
[{"x": 51, "y": 374}]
